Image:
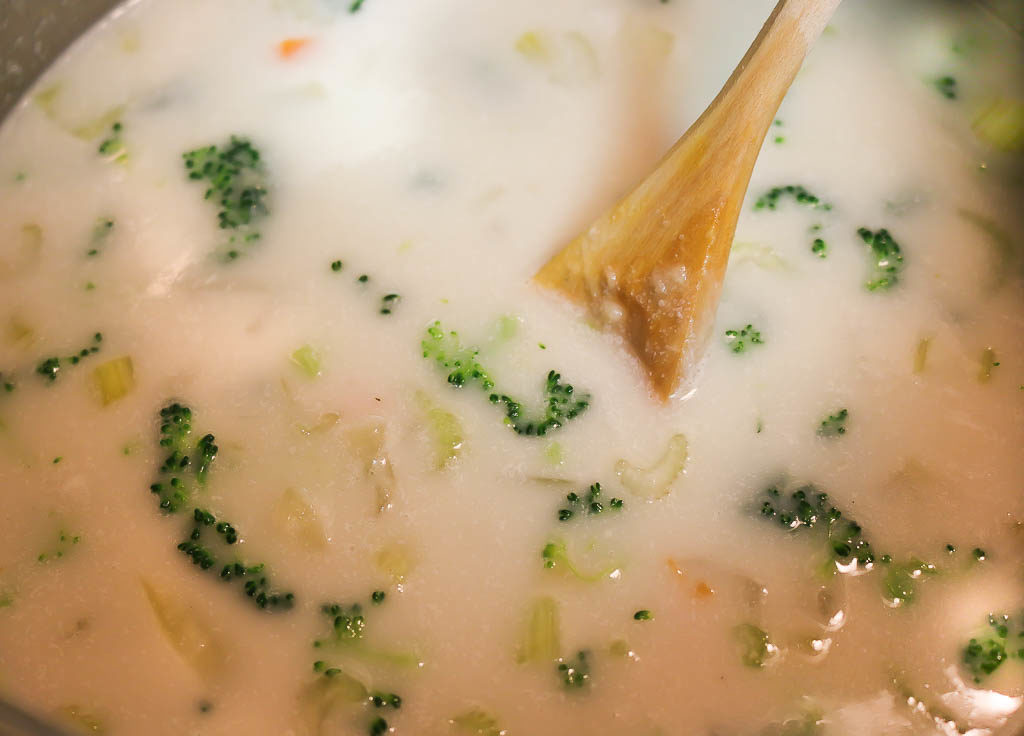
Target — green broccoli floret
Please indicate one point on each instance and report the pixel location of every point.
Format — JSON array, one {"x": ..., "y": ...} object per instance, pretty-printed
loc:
[
  {"x": 986, "y": 652},
  {"x": 886, "y": 259},
  {"x": 388, "y": 302},
  {"x": 50, "y": 368},
  {"x": 575, "y": 673},
  {"x": 834, "y": 425},
  {"x": 113, "y": 145},
  {"x": 7, "y": 381},
  {"x": 739, "y": 339},
  {"x": 347, "y": 623},
  {"x": 237, "y": 181},
  {"x": 587, "y": 504},
  {"x": 100, "y": 231},
  {"x": 807, "y": 508},
  {"x": 561, "y": 402},
  {"x": 819, "y": 248},
  {"x": 770, "y": 199},
  {"x": 946, "y": 87}
]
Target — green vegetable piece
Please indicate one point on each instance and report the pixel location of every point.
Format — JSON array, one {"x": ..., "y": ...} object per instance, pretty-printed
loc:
[
  {"x": 991, "y": 647},
  {"x": 886, "y": 259},
  {"x": 347, "y": 623},
  {"x": 309, "y": 360},
  {"x": 819, "y": 248},
  {"x": 336, "y": 266},
  {"x": 834, "y": 425},
  {"x": 477, "y": 722},
  {"x": 542, "y": 637},
  {"x": 115, "y": 379},
  {"x": 100, "y": 232},
  {"x": 588, "y": 504},
  {"x": 900, "y": 582},
  {"x": 378, "y": 726},
  {"x": 377, "y": 597},
  {"x": 237, "y": 183},
  {"x": 756, "y": 648},
  {"x": 1001, "y": 125},
  {"x": 643, "y": 615},
  {"x": 808, "y": 508},
  {"x": 739, "y": 339},
  {"x": 191, "y": 637},
  {"x": 446, "y": 349},
  {"x": 575, "y": 673},
  {"x": 83, "y": 718},
  {"x": 921, "y": 354},
  {"x": 65, "y": 542},
  {"x": 556, "y": 555},
  {"x": 113, "y": 147},
  {"x": 946, "y": 86},
  {"x": 356, "y": 6},
  {"x": 388, "y": 302},
  {"x": 445, "y": 429},
  {"x": 770, "y": 199},
  {"x": 988, "y": 362}
]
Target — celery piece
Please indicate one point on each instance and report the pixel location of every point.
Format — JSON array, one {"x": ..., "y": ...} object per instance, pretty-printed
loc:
[
  {"x": 396, "y": 561},
  {"x": 115, "y": 378},
  {"x": 1001, "y": 125},
  {"x": 478, "y": 722},
  {"x": 309, "y": 360},
  {"x": 656, "y": 481},
  {"x": 755, "y": 645},
  {"x": 445, "y": 430},
  {"x": 988, "y": 362},
  {"x": 542, "y": 637},
  {"x": 185, "y": 632},
  {"x": 532, "y": 46},
  {"x": 299, "y": 520},
  {"x": 921, "y": 354},
  {"x": 84, "y": 719}
]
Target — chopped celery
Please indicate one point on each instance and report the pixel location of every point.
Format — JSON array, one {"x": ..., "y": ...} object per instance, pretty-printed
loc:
[
  {"x": 368, "y": 444},
  {"x": 756, "y": 648},
  {"x": 396, "y": 561},
  {"x": 1001, "y": 125},
  {"x": 542, "y": 638},
  {"x": 901, "y": 579},
  {"x": 86, "y": 720},
  {"x": 309, "y": 360},
  {"x": 762, "y": 256},
  {"x": 554, "y": 453},
  {"x": 299, "y": 520},
  {"x": 477, "y": 722},
  {"x": 187, "y": 634},
  {"x": 46, "y": 99},
  {"x": 656, "y": 481},
  {"x": 332, "y": 693},
  {"x": 921, "y": 354},
  {"x": 445, "y": 430},
  {"x": 988, "y": 362},
  {"x": 115, "y": 378},
  {"x": 556, "y": 555},
  {"x": 531, "y": 45}
]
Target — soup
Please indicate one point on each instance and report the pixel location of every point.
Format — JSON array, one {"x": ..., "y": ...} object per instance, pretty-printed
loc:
[{"x": 290, "y": 444}]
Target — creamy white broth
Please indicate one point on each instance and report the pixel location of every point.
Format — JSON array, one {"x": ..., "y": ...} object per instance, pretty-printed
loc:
[{"x": 420, "y": 147}]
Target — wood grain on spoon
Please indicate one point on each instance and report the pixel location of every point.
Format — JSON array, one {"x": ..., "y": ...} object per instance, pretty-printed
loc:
[{"x": 651, "y": 268}]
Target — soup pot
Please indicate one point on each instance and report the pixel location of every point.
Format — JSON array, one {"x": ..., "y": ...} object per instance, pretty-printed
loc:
[{"x": 33, "y": 33}]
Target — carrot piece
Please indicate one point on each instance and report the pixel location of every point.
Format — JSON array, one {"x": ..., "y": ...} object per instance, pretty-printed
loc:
[
  {"x": 703, "y": 590},
  {"x": 291, "y": 46}
]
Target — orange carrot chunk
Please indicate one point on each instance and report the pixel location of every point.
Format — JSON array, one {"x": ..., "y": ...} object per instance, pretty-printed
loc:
[{"x": 291, "y": 46}]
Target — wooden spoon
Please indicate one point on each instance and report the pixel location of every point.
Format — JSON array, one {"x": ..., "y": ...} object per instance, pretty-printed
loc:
[{"x": 651, "y": 268}]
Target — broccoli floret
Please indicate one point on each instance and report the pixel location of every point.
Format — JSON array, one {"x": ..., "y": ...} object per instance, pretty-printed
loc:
[
  {"x": 237, "y": 181},
  {"x": 770, "y": 199},
  {"x": 378, "y": 726},
  {"x": 388, "y": 302},
  {"x": 50, "y": 368},
  {"x": 385, "y": 700},
  {"x": 561, "y": 403},
  {"x": 347, "y": 623},
  {"x": 886, "y": 259},
  {"x": 100, "y": 231},
  {"x": 113, "y": 145},
  {"x": 575, "y": 673},
  {"x": 986, "y": 652},
  {"x": 589, "y": 503},
  {"x": 819, "y": 248},
  {"x": 739, "y": 339},
  {"x": 834, "y": 425},
  {"x": 946, "y": 87},
  {"x": 377, "y": 597},
  {"x": 643, "y": 615},
  {"x": 807, "y": 508}
]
